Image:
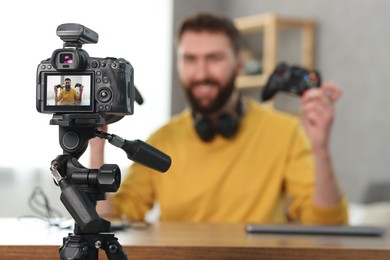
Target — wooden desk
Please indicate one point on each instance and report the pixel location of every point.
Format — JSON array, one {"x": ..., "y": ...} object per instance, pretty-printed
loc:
[{"x": 32, "y": 239}]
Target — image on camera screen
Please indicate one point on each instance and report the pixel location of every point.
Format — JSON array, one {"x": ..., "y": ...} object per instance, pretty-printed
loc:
[{"x": 68, "y": 92}]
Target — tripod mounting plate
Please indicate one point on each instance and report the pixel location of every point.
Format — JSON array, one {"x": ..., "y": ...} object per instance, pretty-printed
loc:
[{"x": 77, "y": 120}]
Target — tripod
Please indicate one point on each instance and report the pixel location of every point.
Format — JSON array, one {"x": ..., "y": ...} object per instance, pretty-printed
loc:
[
  {"x": 81, "y": 187},
  {"x": 87, "y": 246}
]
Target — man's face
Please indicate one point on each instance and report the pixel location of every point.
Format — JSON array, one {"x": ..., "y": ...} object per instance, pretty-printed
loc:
[
  {"x": 67, "y": 85},
  {"x": 207, "y": 67}
]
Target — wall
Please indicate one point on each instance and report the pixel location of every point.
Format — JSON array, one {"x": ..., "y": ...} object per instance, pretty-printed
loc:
[
  {"x": 127, "y": 29},
  {"x": 180, "y": 10},
  {"x": 352, "y": 49}
]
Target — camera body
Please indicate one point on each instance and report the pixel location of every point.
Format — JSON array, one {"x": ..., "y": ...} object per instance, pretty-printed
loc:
[
  {"x": 103, "y": 86},
  {"x": 291, "y": 79}
]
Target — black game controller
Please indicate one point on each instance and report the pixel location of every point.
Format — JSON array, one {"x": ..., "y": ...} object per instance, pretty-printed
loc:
[{"x": 292, "y": 79}]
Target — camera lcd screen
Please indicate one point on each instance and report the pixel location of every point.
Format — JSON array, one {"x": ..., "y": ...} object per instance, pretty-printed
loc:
[{"x": 70, "y": 92}]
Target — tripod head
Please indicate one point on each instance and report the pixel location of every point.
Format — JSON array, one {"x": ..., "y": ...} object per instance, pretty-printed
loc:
[{"x": 82, "y": 187}]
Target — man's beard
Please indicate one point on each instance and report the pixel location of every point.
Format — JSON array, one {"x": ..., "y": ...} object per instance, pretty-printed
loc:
[
  {"x": 223, "y": 95},
  {"x": 67, "y": 88}
]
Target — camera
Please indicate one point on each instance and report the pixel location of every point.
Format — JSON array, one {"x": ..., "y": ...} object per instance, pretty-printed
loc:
[
  {"x": 291, "y": 79},
  {"x": 71, "y": 82}
]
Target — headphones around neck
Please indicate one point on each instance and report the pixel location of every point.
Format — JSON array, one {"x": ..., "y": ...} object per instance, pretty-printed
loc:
[{"x": 226, "y": 125}]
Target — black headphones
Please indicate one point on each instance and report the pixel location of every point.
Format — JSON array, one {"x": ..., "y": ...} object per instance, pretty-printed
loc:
[{"x": 227, "y": 124}]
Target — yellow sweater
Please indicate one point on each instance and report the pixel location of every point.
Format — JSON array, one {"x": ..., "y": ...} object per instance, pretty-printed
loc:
[
  {"x": 68, "y": 97},
  {"x": 265, "y": 174}
]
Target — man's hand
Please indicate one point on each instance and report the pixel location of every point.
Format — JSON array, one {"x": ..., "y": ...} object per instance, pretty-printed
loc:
[
  {"x": 318, "y": 113},
  {"x": 97, "y": 149}
]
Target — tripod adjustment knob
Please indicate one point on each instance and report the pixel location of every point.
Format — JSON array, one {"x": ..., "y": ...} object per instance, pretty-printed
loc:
[
  {"x": 113, "y": 248},
  {"x": 109, "y": 177}
]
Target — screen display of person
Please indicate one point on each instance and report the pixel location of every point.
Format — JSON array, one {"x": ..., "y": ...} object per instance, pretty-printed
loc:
[{"x": 68, "y": 92}]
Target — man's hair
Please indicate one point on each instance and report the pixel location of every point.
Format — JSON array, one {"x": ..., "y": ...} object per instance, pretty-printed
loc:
[
  {"x": 212, "y": 23},
  {"x": 67, "y": 79}
]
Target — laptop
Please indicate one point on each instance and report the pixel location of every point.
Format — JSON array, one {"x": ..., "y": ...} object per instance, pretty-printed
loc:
[{"x": 343, "y": 230}]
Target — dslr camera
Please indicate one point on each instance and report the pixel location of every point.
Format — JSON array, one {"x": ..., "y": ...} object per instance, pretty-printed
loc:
[
  {"x": 291, "y": 79},
  {"x": 71, "y": 82}
]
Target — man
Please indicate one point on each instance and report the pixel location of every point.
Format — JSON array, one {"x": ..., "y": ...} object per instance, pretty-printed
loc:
[
  {"x": 232, "y": 159},
  {"x": 68, "y": 95}
]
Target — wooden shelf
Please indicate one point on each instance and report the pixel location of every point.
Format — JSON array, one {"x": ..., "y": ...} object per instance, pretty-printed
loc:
[
  {"x": 251, "y": 81},
  {"x": 269, "y": 25}
]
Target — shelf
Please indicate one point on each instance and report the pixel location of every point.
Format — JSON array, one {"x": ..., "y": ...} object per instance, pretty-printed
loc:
[
  {"x": 269, "y": 24},
  {"x": 251, "y": 81}
]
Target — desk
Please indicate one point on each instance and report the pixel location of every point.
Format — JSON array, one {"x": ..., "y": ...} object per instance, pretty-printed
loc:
[{"x": 32, "y": 239}]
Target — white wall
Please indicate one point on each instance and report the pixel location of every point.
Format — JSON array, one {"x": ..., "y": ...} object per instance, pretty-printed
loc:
[{"x": 139, "y": 31}]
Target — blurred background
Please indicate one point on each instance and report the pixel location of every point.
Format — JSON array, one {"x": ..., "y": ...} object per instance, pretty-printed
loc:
[{"x": 351, "y": 47}]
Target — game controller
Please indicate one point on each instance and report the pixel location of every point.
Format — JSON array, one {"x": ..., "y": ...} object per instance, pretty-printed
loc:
[{"x": 292, "y": 79}]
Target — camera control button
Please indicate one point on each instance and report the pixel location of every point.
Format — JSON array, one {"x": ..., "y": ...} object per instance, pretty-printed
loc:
[
  {"x": 104, "y": 95},
  {"x": 94, "y": 64},
  {"x": 43, "y": 67},
  {"x": 106, "y": 80},
  {"x": 49, "y": 67},
  {"x": 99, "y": 73},
  {"x": 101, "y": 107},
  {"x": 108, "y": 107},
  {"x": 98, "y": 80}
]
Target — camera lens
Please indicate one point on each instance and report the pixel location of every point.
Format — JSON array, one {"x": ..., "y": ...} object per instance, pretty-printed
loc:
[{"x": 104, "y": 95}]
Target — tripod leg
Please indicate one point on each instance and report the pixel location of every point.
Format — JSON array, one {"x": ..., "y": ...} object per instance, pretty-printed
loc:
[{"x": 86, "y": 247}]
